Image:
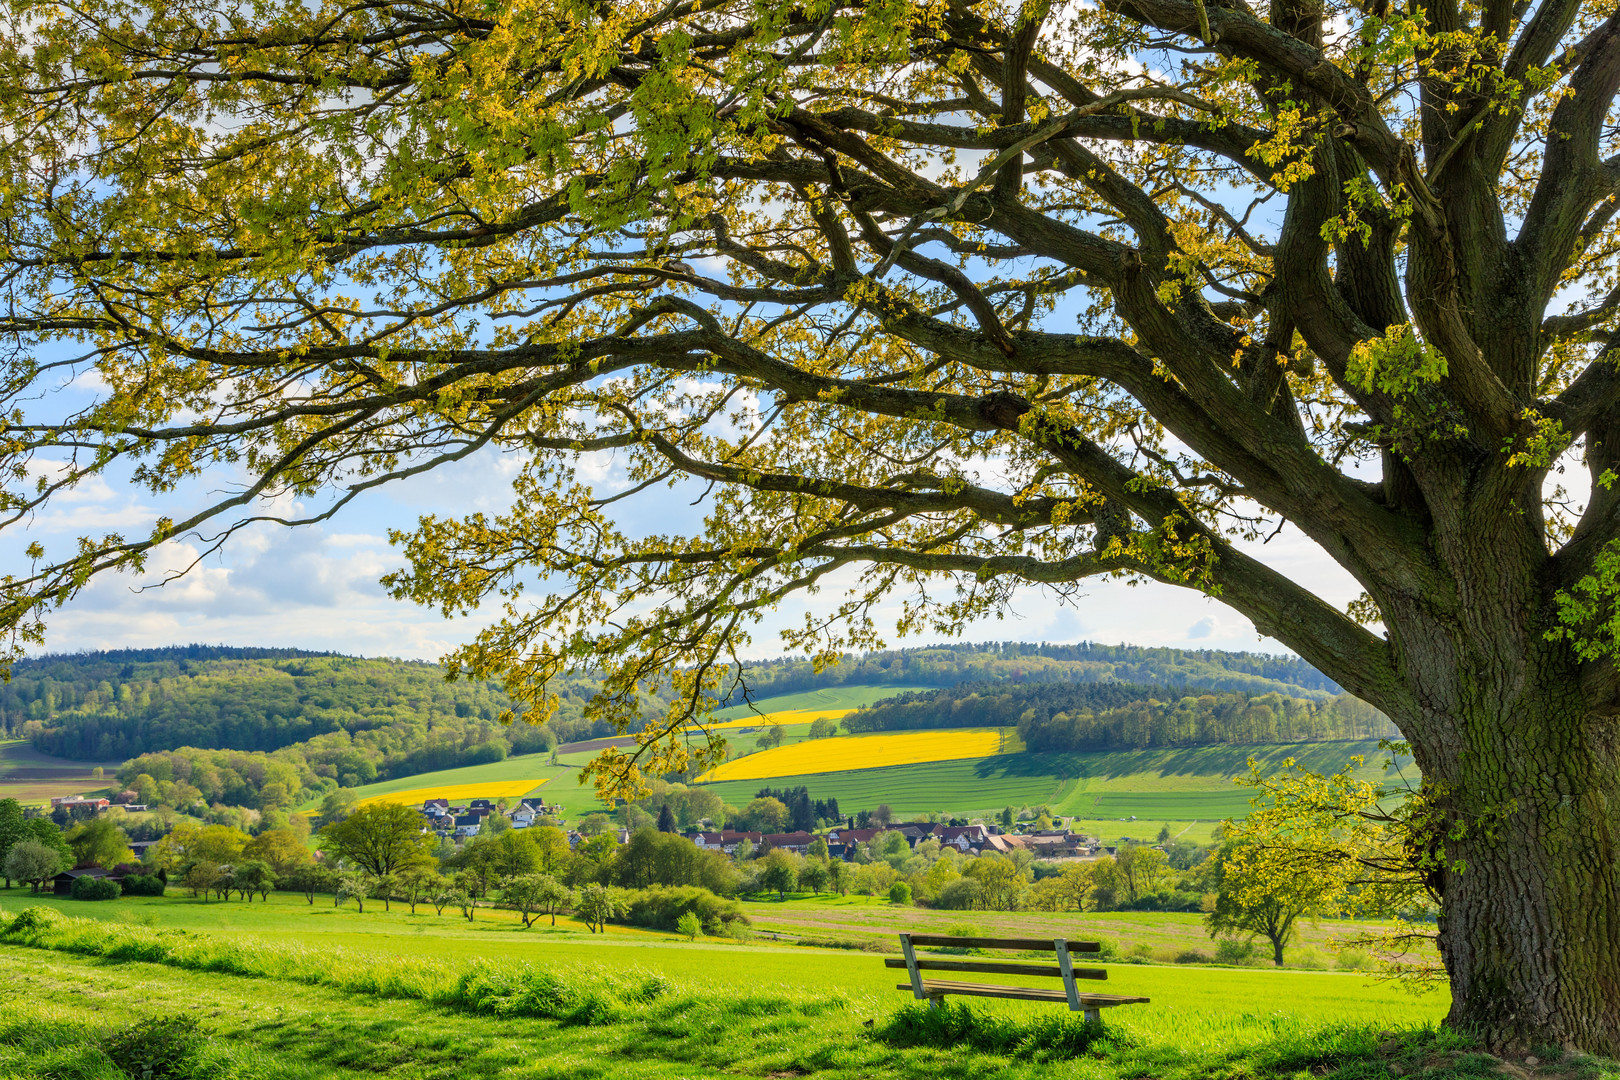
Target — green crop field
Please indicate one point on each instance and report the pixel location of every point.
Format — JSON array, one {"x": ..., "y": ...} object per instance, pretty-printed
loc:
[
  {"x": 1191, "y": 784},
  {"x": 290, "y": 990},
  {"x": 830, "y": 697}
]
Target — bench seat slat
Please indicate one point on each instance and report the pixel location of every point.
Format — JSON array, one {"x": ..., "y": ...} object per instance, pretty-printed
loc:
[
  {"x": 1031, "y": 944},
  {"x": 1019, "y": 993},
  {"x": 994, "y": 967},
  {"x": 1023, "y": 993}
]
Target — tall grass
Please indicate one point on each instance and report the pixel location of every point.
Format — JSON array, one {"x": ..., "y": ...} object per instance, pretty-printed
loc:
[
  {"x": 588, "y": 994},
  {"x": 697, "y": 1028}
]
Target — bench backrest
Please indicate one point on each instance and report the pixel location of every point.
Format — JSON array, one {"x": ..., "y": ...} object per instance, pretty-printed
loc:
[{"x": 1064, "y": 968}]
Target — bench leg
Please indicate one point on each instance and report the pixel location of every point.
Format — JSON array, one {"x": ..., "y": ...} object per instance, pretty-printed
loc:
[
  {"x": 936, "y": 1001},
  {"x": 1093, "y": 1016}
]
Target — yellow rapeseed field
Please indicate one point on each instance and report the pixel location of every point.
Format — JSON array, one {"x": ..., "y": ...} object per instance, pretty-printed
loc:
[
  {"x": 499, "y": 789},
  {"x": 860, "y": 752},
  {"x": 786, "y": 716}
]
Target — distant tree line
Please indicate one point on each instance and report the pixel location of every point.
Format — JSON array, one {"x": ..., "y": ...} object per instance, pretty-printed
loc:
[
  {"x": 114, "y": 705},
  {"x": 1064, "y": 717},
  {"x": 1022, "y": 661}
]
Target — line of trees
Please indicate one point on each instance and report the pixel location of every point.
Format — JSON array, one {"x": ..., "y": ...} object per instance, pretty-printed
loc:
[
  {"x": 1066, "y": 717},
  {"x": 1022, "y": 661}
]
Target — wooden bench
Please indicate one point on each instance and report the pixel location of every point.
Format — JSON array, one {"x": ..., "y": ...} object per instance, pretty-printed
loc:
[{"x": 936, "y": 989}]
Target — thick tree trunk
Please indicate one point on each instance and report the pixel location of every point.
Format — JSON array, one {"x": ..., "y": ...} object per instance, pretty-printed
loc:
[{"x": 1530, "y": 925}]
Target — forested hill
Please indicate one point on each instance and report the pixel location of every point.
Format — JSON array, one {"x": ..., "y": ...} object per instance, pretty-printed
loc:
[
  {"x": 1066, "y": 717},
  {"x": 403, "y": 715},
  {"x": 1021, "y": 661},
  {"x": 99, "y": 706},
  {"x": 263, "y": 727}
]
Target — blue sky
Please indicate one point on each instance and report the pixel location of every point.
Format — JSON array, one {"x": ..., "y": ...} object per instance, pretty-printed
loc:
[{"x": 317, "y": 587}]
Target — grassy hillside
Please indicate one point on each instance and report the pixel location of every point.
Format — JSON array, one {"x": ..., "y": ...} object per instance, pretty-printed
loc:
[
  {"x": 496, "y": 934},
  {"x": 31, "y": 777},
  {"x": 635, "y": 1009}
]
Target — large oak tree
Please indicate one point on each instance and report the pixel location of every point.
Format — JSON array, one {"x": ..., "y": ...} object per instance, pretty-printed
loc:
[{"x": 922, "y": 297}]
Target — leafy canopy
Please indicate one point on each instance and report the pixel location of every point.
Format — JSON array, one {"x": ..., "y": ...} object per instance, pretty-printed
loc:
[{"x": 901, "y": 291}]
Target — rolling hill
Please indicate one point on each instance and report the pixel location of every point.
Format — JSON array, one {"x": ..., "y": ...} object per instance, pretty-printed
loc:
[{"x": 263, "y": 727}]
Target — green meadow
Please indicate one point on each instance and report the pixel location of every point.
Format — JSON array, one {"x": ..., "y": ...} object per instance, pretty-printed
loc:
[
  {"x": 286, "y": 989},
  {"x": 853, "y": 922}
]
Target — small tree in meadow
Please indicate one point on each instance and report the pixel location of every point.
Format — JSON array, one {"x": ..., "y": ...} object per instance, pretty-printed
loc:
[
  {"x": 553, "y": 897},
  {"x": 1267, "y": 890},
  {"x": 352, "y": 886},
  {"x": 689, "y": 925},
  {"x": 525, "y": 892},
  {"x": 465, "y": 900},
  {"x": 415, "y": 886},
  {"x": 838, "y": 876},
  {"x": 596, "y": 905},
  {"x": 443, "y": 896},
  {"x": 33, "y": 863},
  {"x": 201, "y": 877},
  {"x": 311, "y": 880},
  {"x": 814, "y": 876},
  {"x": 778, "y": 874},
  {"x": 900, "y": 893},
  {"x": 253, "y": 876}
]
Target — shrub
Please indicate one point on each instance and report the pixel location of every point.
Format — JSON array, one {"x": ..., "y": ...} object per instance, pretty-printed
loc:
[
  {"x": 1043, "y": 1038},
  {"x": 963, "y": 894},
  {"x": 662, "y": 907},
  {"x": 32, "y": 920},
  {"x": 159, "y": 1048},
  {"x": 1353, "y": 960},
  {"x": 1234, "y": 951},
  {"x": 899, "y": 893},
  {"x": 871, "y": 945},
  {"x": 89, "y": 888},
  {"x": 1164, "y": 900},
  {"x": 1192, "y": 956},
  {"x": 689, "y": 925},
  {"x": 1309, "y": 959},
  {"x": 143, "y": 885}
]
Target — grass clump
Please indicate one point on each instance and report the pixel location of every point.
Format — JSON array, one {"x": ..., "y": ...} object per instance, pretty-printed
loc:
[
  {"x": 954, "y": 1026},
  {"x": 158, "y": 1048},
  {"x": 592, "y": 996}
]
